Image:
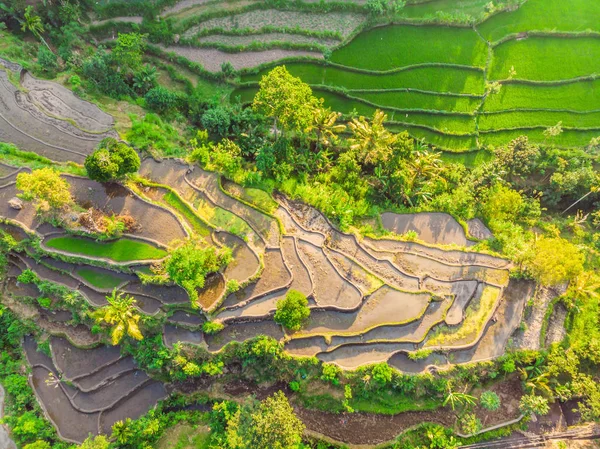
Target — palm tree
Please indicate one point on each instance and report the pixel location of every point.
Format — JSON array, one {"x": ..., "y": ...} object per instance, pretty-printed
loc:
[
  {"x": 324, "y": 125},
  {"x": 539, "y": 383},
  {"x": 455, "y": 398},
  {"x": 424, "y": 167},
  {"x": 34, "y": 24},
  {"x": 120, "y": 313},
  {"x": 372, "y": 142},
  {"x": 584, "y": 286}
]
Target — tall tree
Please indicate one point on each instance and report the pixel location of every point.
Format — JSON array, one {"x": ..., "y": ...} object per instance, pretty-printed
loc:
[
  {"x": 120, "y": 313},
  {"x": 286, "y": 99},
  {"x": 325, "y": 127},
  {"x": 33, "y": 24}
]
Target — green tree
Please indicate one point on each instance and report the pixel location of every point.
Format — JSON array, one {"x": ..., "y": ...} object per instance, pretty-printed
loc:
[
  {"x": 38, "y": 445},
  {"x": 275, "y": 426},
  {"x": 285, "y": 99},
  {"x": 455, "y": 398},
  {"x": 121, "y": 314},
  {"x": 190, "y": 263},
  {"x": 34, "y": 25},
  {"x": 324, "y": 126},
  {"x": 555, "y": 261},
  {"x": 518, "y": 157},
  {"x": 292, "y": 311},
  {"x": 47, "y": 61},
  {"x": 111, "y": 160},
  {"x": 129, "y": 51},
  {"x": 46, "y": 188}
]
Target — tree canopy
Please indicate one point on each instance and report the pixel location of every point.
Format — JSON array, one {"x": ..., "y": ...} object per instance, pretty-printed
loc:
[
  {"x": 46, "y": 188},
  {"x": 292, "y": 311},
  {"x": 111, "y": 160}
]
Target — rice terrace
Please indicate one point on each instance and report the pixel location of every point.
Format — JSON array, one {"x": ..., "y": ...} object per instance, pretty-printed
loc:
[{"x": 299, "y": 224}]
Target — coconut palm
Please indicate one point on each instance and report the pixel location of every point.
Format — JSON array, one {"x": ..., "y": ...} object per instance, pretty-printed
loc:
[
  {"x": 586, "y": 285},
  {"x": 121, "y": 314},
  {"x": 371, "y": 141},
  {"x": 34, "y": 24},
  {"x": 324, "y": 125}
]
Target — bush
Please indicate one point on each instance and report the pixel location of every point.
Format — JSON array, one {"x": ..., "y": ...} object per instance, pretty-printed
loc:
[
  {"x": 534, "y": 404},
  {"x": 489, "y": 401},
  {"x": 162, "y": 100},
  {"x": 470, "y": 424},
  {"x": 46, "y": 187},
  {"x": 47, "y": 61},
  {"x": 217, "y": 120},
  {"x": 112, "y": 160},
  {"x": 292, "y": 311},
  {"x": 212, "y": 327}
]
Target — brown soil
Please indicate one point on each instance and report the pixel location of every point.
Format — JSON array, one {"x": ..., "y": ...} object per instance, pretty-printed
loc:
[
  {"x": 213, "y": 290},
  {"x": 211, "y": 59},
  {"x": 435, "y": 228}
]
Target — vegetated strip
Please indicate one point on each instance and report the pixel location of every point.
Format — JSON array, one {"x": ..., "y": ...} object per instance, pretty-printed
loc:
[
  {"x": 499, "y": 120},
  {"x": 121, "y": 250},
  {"x": 567, "y": 139},
  {"x": 427, "y": 77}
]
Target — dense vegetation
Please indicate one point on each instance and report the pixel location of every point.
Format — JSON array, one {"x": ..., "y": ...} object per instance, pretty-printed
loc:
[{"x": 330, "y": 136}]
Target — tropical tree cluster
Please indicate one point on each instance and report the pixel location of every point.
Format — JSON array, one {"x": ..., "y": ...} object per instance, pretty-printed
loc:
[{"x": 111, "y": 160}]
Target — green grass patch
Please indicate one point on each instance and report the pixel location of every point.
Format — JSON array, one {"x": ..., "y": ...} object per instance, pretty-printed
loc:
[
  {"x": 391, "y": 403},
  {"x": 122, "y": 250},
  {"x": 254, "y": 196},
  {"x": 579, "y": 96},
  {"x": 547, "y": 58},
  {"x": 435, "y": 79},
  {"x": 419, "y": 100},
  {"x": 568, "y": 138},
  {"x": 389, "y": 47},
  {"x": 199, "y": 226},
  {"x": 516, "y": 119},
  {"x": 184, "y": 436},
  {"x": 544, "y": 15},
  {"x": 12, "y": 155},
  {"x": 223, "y": 219},
  {"x": 100, "y": 280},
  {"x": 469, "y": 159}
]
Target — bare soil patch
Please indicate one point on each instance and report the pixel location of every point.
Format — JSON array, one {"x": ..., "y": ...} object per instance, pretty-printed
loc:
[
  {"x": 240, "y": 41},
  {"x": 212, "y": 59}
]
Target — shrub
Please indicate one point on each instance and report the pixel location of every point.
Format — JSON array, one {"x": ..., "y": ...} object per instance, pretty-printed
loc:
[
  {"x": 162, "y": 100},
  {"x": 38, "y": 444},
  {"x": 47, "y": 61},
  {"x": 217, "y": 120},
  {"x": 111, "y": 160},
  {"x": 382, "y": 373},
  {"x": 44, "y": 302},
  {"x": 28, "y": 277},
  {"x": 331, "y": 373},
  {"x": 531, "y": 403},
  {"x": 46, "y": 187},
  {"x": 212, "y": 327},
  {"x": 292, "y": 311},
  {"x": 470, "y": 424},
  {"x": 489, "y": 401}
]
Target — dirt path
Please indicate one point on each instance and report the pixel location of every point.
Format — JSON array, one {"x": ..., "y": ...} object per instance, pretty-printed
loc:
[{"x": 5, "y": 441}]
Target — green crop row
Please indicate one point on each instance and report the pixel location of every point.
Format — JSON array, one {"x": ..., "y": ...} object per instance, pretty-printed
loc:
[
  {"x": 435, "y": 79},
  {"x": 543, "y": 15},
  {"x": 121, "y": 250},
  {"x": 567, "y": 139},
  {"x": 546, "y": 58},
  {"x": 523, "y": 119},
  {"x": 419, "y": 100},
  {"x": 394, "y": 46}
]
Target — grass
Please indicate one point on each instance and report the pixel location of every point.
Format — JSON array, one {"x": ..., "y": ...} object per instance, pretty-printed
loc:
[
  {"x": 10, "y": 154},
  {"x": 579, "y": 96},
  {"x": 100, "y": 280},
  {"x": 547, "y": 58},
  {"x": 184, "y": 436},
  {"x": 386, "y": 48},
  {"x": 538, "y": 118},
  {"x": 392, "y": 403},
  {"x": 469, "y": 159},
  {"x": 435, "y": 79},
  {"x": 419, "y": 100},
  {"x": 223, "y": 219},
  {"x": 254, "y": 196},
  {"x": 476, "y": 316},
  {"x": 122, "y": 250},
  {"x": 568, "y": 138},
  {"x": 199, "y": 226},
  {"x": 544, "y": 15}
]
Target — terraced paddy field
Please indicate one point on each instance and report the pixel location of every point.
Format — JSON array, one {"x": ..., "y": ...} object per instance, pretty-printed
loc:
[{"x": 430, "y": 79}]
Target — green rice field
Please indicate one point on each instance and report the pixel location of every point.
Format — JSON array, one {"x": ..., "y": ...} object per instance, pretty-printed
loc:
[
  {"x": 543, "y": 15},
  {"x": 431, "y": 79},
  {"x": 122, "y": 250},
  {"x": 103, "y": 280}
]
